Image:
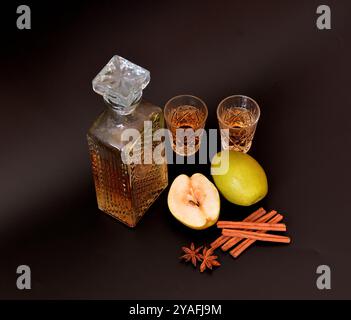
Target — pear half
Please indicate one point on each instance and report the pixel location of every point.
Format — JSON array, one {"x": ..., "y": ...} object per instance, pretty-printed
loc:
[{"x": 194, "y": 201}]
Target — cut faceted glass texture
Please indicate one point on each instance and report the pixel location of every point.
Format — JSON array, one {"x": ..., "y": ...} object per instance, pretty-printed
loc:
[
  {"x": 125, "y": 191},
  {"x": 121, "y": 81}
]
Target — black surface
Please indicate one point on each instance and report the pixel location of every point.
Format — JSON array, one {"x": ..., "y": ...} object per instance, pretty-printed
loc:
[{"x": 269, "y": 50}]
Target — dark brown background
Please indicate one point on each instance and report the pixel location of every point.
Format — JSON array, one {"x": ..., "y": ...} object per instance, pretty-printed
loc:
[{"x": 270, "y": 50}]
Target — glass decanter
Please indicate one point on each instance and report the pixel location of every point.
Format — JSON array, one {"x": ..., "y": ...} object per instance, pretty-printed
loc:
[{"x": 125, "y": 189}]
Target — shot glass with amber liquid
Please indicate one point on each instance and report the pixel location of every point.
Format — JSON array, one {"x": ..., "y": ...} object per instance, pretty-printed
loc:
[
  {"x": 237, "y": 117},
  {"x": 185, "y": 117}
]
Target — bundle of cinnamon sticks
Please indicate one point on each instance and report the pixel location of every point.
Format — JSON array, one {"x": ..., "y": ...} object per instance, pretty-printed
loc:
[{"x": 240, "y": 235}]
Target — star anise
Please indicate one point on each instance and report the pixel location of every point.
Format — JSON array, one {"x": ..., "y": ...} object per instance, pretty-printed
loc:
[
  {"x": 208, "y": 260},
  {"x": 191, "y": 254}
]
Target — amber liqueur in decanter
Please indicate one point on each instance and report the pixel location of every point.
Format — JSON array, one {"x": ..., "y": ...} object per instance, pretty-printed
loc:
[{"x": 125, "y": 189}]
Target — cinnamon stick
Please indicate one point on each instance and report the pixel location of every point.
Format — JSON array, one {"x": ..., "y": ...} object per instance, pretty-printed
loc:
[
  {"x": 251, "y": 218},
  {"x": 255, "y": 235},
  {"x": 241, "y": 247},
  {"x": 219, "y": 241},
  {"x": 233, "y": 241},
  {"x": 263, "y": 226}
]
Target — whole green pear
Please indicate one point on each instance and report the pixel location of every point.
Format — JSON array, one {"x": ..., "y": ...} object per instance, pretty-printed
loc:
[{"x": 243, "y": 181}]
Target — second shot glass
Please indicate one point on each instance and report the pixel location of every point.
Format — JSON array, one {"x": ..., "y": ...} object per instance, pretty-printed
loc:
[{"x": 237, "y": 117}]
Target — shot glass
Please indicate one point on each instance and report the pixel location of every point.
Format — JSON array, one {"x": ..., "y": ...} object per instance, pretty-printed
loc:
[
  {"x": 185, "y": 117},
  {"x": 237, "y": 117}
]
